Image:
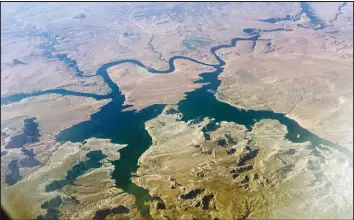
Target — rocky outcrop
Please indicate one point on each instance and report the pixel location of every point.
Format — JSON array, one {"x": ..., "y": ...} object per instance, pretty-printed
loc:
[
  {"x": 75, "y": 183},
  {"x": 253, "y": 173}
]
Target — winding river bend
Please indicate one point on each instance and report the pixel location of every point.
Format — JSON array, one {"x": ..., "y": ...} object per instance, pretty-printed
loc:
[{"x": 128, "y": 127}]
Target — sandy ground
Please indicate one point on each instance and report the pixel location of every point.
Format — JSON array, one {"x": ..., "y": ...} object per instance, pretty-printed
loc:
[
  {"x": 94, "y": 190},
  {"x": 305, "y": 73},
  {"x": 205, "y": 179},
  {"x": 143, "y": 89},
  {"x": 53, "y": 113},
  {"x": 308, "y": 76}
]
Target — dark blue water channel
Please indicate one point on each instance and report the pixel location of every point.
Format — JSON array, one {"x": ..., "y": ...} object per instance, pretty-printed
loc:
[{"x": 127, "y": 127}]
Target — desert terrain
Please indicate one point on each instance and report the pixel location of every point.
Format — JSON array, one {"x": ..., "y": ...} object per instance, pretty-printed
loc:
[
  {"x": 307, "y": 75},
  {"x": 143, "y": 89},
  {"x": 89, "y": 192},
  {"x": 63, "y": 62},
  {"x": 236, "y": 174}
]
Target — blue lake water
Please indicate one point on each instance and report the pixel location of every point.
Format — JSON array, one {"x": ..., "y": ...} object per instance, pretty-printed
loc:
[{"x": 128, "y": 127}]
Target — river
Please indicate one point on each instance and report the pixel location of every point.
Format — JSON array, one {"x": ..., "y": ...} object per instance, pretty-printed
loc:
[{"x": 127, "y": 127}]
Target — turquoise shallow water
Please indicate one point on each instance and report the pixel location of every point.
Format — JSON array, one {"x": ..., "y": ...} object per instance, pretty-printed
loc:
[{"x": 128, "y": 127}]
